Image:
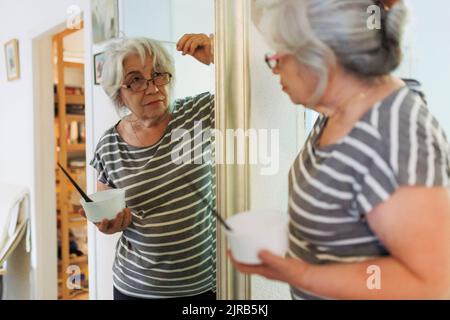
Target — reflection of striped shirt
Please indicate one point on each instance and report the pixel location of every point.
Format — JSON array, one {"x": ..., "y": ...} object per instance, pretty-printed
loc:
[
  {"x": 169, "y": 250},
  {"x": 333, "y": 188}
]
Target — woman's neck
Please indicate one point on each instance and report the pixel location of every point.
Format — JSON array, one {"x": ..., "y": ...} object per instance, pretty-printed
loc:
[
  {"x": 346, "y": 108},
  {"x": 146, "y": 124},
  {"x": 143, "y": 132},
  {"x": 350, "y": 98}
]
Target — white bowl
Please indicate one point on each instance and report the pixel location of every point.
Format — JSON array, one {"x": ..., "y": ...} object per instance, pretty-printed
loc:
[
  {"x": 106, "y": 205},
  {"x": 253, "y": 231}
]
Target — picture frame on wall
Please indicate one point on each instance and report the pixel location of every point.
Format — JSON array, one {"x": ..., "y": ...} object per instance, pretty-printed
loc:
[
  {"x": 99, "y": 59},
  {"x": 105, "y": 20},
  {"x": 12, "y": 59}
]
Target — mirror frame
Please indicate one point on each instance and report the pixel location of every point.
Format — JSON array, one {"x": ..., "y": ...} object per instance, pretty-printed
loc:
[{"x": 233, "y": 101}]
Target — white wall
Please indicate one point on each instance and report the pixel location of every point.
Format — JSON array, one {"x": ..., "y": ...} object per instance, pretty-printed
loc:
[
  {"x": 165, "y": 21},
  {"x": 428, "y": 56},
  {"x": 26, "y": 20}
]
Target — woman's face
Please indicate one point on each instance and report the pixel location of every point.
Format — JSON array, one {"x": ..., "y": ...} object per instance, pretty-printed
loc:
[
  {"x": 151, "y": 104},
  {"x": 296, "y": 79}
]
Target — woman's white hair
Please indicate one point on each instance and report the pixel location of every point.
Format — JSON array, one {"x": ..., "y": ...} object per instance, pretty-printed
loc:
[
  {"x": 321, "y": 33},
  {"x": 118, "y": 51}
]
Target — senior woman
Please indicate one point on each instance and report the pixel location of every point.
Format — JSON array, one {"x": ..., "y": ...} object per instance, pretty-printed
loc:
[
  {"x": 167, "y": 248},
  {"x": 369, "y": 206}
]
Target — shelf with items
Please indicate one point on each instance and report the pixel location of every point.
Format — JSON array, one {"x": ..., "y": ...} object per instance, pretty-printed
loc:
[
  {"x": 73, "y": 65},
  {"x": 75, "y": 220},
  {"x": 70, "y": 148},
  {"x": 75, "y": 133},
  {"x": 72, "y": 99},
  {"x": 79, "y": 261},
  {"x": 76, "y": 265},
  {"x": 76, "y": 147},
  {"x": 77, "y": 169},
  {"x": 75, "y": 117},
  {"x": 79, "y": 294}
]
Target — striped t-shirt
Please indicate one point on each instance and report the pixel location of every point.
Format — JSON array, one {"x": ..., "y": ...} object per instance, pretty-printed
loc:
[
  {"x": 169, "y": 250},
  {"x": 332, "y": 189}
]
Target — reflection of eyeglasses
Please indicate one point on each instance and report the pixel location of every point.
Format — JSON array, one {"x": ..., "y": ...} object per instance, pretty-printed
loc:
[
  {"x": 272, "y": 59},
  {"x": 139, "y": 84}
]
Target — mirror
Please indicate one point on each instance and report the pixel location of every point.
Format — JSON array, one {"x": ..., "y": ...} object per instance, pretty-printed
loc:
[{"x": 162, "y": 159}]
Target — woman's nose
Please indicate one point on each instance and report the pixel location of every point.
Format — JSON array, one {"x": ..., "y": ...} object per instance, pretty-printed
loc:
[{"x": 151, "y": 88}]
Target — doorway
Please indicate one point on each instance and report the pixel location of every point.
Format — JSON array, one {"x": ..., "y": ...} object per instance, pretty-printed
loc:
[
  {"x": 60, "y": 267},
  {"x": 70, "y": 153}
]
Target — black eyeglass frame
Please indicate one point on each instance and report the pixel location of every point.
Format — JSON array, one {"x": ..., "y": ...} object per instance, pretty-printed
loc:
[
  {"x": 152, "y": 79},
  {"x": 271, "y": 63}
]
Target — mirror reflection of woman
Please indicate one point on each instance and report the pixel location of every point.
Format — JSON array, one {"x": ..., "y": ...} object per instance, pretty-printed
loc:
[
  {"x": 369, "y": 202},
  {"x": 167, "y": 248}
]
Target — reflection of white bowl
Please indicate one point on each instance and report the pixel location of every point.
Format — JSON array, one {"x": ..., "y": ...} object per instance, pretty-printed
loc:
[
  {"x": 107, "y": 204},
  {"x": 253, "y": 231}
]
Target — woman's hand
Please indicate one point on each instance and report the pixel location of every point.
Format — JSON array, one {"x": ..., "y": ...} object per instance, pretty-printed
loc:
[
  {"x": 274, "y": 267},
  {"x": 200, "y": 46},
  {"x": 120, "y": 223}
]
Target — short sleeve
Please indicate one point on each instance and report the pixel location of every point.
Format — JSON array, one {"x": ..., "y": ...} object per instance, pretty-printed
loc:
[
  {"x": 195, "y": 108},
  {"x": 102, "y": 174},
  {"x": 375, "y": 184},
  {"x": 203, "y": 106},
  {"x": 422, "y": 149},
  {"x": 414, "y": 152}
]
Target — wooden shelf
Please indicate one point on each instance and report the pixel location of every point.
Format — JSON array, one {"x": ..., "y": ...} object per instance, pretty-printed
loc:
[
  {"x": 76, "y": 147},
  {"x": 79, "y": 260},
  {"x": 73, "y": 65},
  {"x": 75, "y": 220},
  {"x": 75, "y": 117},
  {"x": 83, "y": 294},
  {"x": 72, "y": 99},
  {"x": 78, "y": 224},
  {"x": 78, "y": 294},
  {"x": 70, "y": 187}
]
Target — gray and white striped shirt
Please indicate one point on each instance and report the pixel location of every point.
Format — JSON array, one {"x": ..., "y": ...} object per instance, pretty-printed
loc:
[
  {"x": 332, "y": 189},
  {"x": 169, "y": 250}
]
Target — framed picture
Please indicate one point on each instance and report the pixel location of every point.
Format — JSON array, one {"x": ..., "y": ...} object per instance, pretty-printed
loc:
[
  {"x": 105, "y": 20},
  {"x": 12, "y": 59},
  {"x": 99, "y": 59}
]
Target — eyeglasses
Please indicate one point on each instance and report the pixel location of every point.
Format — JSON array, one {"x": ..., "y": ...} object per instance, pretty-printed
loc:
[
  {"x": 272, "y": 59},
  {"x": 139, "y": 84}
]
